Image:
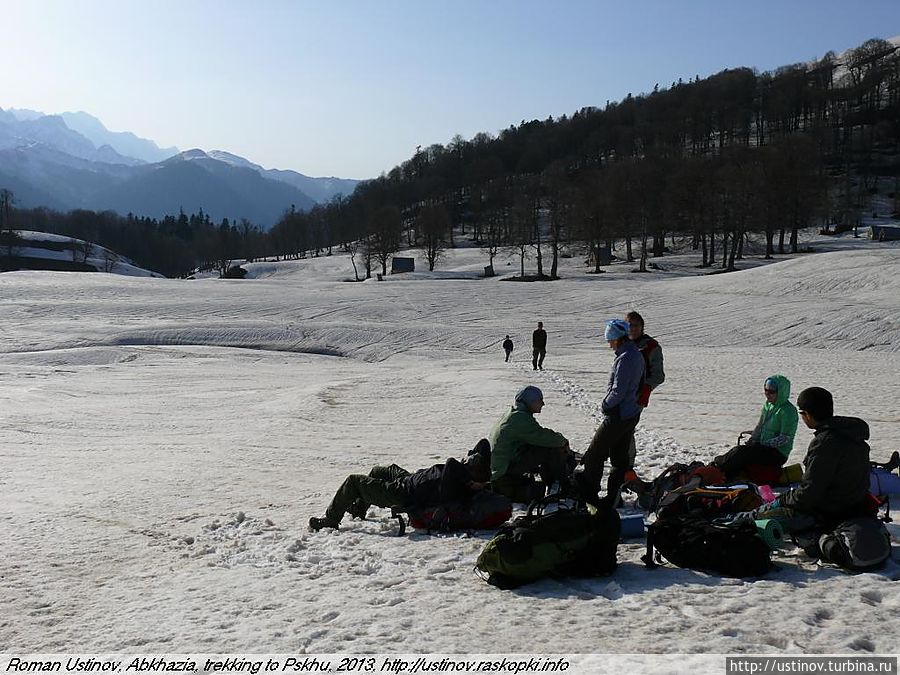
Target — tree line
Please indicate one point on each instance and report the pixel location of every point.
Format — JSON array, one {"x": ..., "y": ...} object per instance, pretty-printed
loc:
[
  {"x": 718, "y": 159},
  {"x": 736, "y": 153}
]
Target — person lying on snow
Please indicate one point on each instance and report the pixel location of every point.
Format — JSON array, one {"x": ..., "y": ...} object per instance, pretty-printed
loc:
[
  {"x": 522, "y": 446},
  {"x": 835, "y": 483},
  {"x": 772, "y": 440},
  {"x": 389, "y": 486}
]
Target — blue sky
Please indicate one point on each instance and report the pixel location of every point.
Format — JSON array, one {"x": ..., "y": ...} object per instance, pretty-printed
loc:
[{"x": 351, "y": 88}]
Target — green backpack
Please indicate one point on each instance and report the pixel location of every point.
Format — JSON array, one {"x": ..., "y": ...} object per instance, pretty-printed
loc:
[{"x": 564, "y": 542}]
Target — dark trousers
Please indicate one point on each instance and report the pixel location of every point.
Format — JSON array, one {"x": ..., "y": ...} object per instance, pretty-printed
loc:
[
  {"x": 613, "y": 440},
  {"x": 733, "y": 462},
  {"x": 508, "y": 352},
  {"x": 537, "y": 359},
  {"x": 549, "y": 463},
  {"x": 382, "y": 487}
]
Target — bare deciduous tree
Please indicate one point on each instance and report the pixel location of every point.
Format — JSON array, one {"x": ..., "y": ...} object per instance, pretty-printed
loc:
[{"x": 432, "y": 226}]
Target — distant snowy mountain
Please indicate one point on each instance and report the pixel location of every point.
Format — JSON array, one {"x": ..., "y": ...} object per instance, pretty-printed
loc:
[
  {"x": 73, "y": 161},
  {"x": 192, "y": 180},
  {"x": 123, "y": 142},
  {"x": 24, "y": 114},
  {"x": 320, "y": 189},
  {"x": 52, "y": 131}
]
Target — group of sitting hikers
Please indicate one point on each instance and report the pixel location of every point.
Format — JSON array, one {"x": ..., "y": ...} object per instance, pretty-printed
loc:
[{"x": 832, "y": 487}]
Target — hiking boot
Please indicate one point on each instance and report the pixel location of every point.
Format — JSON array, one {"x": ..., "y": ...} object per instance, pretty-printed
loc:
[
  {"x": 585, "y": 492},
  {"x": 893, "y": 462},
  {"x": 316, "y": 524},
  {"x": 358, "y": 509}
]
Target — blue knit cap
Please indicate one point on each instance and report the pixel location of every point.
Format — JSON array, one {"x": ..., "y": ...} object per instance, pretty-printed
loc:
[
  {"x": 529, "y": 395},
  {"x": 771, "y": 383},
  {"x": 615, "y": 329}
]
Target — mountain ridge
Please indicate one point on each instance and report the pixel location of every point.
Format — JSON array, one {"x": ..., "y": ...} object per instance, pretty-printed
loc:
[{"x": 45, "y": 162}]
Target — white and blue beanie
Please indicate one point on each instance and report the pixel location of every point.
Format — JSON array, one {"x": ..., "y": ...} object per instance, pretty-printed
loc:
[{"x": 615, "y": 329}]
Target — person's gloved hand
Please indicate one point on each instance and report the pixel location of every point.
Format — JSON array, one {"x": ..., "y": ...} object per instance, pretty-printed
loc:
[{"x": 765, "y": 508}]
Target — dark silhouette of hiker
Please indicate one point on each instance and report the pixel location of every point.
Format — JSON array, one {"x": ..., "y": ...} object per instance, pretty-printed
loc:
[
  {"x": 507, "y": 347},
  {"x": 539, "y": 345}
]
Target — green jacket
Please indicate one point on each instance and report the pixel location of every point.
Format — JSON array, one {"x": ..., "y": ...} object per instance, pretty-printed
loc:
[
  {"x": 515, "y": 429},
  {"x": 777, "y": 424}
]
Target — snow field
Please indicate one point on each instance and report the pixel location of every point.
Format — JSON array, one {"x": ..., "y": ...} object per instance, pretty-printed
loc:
[{"x": 165, "y": 442}]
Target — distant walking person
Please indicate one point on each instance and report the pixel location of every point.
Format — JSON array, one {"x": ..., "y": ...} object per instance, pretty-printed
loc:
[
  {"x": 539, "y": 345},
  {"x": 654, "y": 375},
  {"x": 507, "y": 347}
]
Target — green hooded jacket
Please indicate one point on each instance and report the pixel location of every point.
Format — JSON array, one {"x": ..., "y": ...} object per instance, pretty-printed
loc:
[
  {"x": 515, "y": 429},
  {"x": 777, "y": 424}
]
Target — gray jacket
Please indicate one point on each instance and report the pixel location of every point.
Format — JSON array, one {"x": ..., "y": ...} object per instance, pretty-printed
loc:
[
  {"x": 653, "y": 357},
  {"x": 624, "y": 380}
]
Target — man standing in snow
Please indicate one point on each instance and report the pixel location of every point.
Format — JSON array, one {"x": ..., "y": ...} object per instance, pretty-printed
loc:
[
  {"x": 395, "y": 486},
  {"x": 539, "y": 346},
  {"x": 614, "y": 438},
  {"x": 522, "y": 446},
  {"x": 507, "y": 347},
  {"x": 654, "y": 375}
]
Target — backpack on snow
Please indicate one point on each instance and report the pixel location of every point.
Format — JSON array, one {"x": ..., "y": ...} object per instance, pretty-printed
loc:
[
  {"x": 565, "y": 542},
  {"x": 857, "y": 544},
  {"x": 677, "y": 475},
  {"x": 484, "y": 510},
  {"x": 694, "y": 542},
  {"x": 710, "y": 501}
]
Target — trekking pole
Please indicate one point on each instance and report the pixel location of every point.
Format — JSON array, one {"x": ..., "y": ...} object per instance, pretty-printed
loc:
[{"x": 647, "y": 558}]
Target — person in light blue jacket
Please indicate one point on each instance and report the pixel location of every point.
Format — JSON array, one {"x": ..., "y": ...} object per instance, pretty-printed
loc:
[{"x": 614, "y": 438}]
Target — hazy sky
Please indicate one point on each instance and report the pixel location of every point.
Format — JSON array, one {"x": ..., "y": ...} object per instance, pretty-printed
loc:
[{"x": 351, "y": 88}]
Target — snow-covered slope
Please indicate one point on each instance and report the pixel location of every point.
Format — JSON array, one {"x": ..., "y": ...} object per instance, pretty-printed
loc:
[
  {"x": 43, "y": 250},
  {"x": 166, "y": 441}
]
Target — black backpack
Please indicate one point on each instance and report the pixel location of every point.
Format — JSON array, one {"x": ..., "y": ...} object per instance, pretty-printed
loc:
[
  {"x": 857, "y": 544},
  {"x": 692, "y": 541},
  {"x": 565, "y": 542}
]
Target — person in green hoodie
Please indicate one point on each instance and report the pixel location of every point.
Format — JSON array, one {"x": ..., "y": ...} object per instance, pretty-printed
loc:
[
  {"x": 772, "y": 440},
  {"x": 522, "y": 446}
]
